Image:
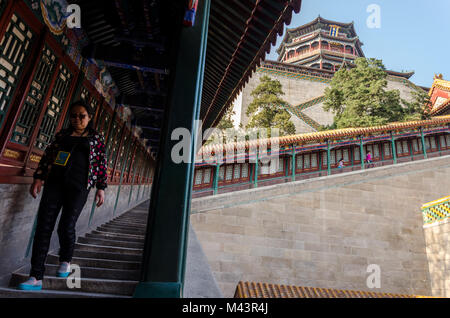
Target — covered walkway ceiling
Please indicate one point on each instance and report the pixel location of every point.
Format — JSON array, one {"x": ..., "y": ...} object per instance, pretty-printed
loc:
[{"x": 134, "y": 40}]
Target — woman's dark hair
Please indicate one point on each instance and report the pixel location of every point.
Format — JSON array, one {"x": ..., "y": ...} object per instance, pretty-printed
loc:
[{"x": 88, "y": 110}]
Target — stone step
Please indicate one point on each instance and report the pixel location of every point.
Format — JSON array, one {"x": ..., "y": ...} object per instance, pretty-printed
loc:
[
  {"x": 107, "y": 256},
  {"x": 98, "y": 263},
  {"x": 45, "y": 293},
  {"x": 109, "y": 249},
  {"x": 88, "y": 285},
  {"x": 114, "y": 236},
  {"x": 139, "y": 229},
  {"x": 123, "y": 223},
  {"x": 127, "y": 220},
  {"x": 103, "y": 242},
  {"x": 124, "y": 235},
  {"x": 93, "y": 272},
  {"x": 118, "y": 230}
]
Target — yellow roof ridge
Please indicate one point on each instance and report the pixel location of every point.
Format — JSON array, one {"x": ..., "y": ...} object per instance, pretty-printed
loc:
[
  {"x": 246, "y": 289},
  {"x": 438, "y": 201}
]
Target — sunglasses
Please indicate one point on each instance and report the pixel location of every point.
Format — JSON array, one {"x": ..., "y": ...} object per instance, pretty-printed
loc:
[{"x": 80, "y": 116}]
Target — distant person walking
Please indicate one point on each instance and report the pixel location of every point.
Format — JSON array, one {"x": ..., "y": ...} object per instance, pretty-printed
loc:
[
  {"x": 72, "y": 164},
  {"x": 341, "y": 164},
  {"x": 369, "y": 159}
]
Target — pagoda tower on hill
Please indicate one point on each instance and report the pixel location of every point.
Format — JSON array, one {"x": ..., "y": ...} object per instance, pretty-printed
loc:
[{"x": 321, "y": 44}]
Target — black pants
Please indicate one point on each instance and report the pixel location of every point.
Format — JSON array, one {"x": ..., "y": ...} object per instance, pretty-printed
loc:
[{"x": 55, "y": 196}]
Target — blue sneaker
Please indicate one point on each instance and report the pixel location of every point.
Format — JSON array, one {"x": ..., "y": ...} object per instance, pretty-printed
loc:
[
  {"x": 31, "y": 284},
  {"x": 64, "y": 269}
]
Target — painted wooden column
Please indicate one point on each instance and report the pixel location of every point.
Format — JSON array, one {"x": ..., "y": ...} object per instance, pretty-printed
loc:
[
  {"x": 423, "y": 143},
  {"x": 255, "y": 180},
  {"x": 216, "y": 179},
  {"x": 328, "y": 158},
  {"x": 164, "y": 255},
  {"x": 361, "y": 152},
  {"x": 293, "y": 163},
  {"x": 394, "y": 151}
]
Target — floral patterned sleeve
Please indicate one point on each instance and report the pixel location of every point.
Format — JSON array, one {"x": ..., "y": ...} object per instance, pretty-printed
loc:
[
  {"x": 47, "y": 158},
  {"x": 102, "y": 165}
]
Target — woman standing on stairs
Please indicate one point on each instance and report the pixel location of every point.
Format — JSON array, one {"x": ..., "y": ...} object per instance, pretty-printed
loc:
[{"x": 72, "y": 164}]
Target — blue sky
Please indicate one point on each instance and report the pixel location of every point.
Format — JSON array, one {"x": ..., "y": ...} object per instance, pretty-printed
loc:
[{"x": 413, "y": 34}]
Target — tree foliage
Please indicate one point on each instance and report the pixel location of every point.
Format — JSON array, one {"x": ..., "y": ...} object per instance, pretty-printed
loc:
[
  {"x": 265, "y": 111},
  {"x": 358, "y": 97}
]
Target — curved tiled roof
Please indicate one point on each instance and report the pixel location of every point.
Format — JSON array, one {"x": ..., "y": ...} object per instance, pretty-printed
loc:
[
  {"x": 441, "y": 108},
  {"x": 327, "y": 135},
  {"x": 232, "y": 56},
  {"x": 264, "y": 290}
]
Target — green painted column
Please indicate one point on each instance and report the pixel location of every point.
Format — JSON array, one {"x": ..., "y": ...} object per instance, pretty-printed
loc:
[
  {"x": 328, "y": 158},
  {"x": 293, "y": 163},
  {"x": 255, "y": 180},
  {"x": 164, "y": 255},
  {"x": 394, "y": 151},
  {"x": 423, "y": 143},
  {"x": 216, "y": 179},
  {"x": 352, "y": 154},
  {"x": 361, "y": 152}
]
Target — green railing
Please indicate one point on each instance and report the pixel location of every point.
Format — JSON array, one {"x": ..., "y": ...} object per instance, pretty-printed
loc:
[{"x": 322, "y": 171}]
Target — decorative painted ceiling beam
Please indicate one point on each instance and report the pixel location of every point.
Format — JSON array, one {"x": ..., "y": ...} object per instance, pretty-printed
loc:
[{"x": 122, "y": 57}]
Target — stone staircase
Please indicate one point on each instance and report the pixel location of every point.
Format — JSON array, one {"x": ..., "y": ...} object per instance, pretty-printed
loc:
[{"x": 109, "y": 258}]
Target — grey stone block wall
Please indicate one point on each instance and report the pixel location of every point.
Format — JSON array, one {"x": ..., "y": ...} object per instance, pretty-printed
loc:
[
  {"x": 325, "y": 232},
  {"x": 437, "y": 237},
  {"x": 18, "y": 210}
]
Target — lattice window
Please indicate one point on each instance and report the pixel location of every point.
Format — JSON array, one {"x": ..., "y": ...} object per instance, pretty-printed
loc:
[
  {"x": 103, "y": 122},
  {"x": 300, "y": 162},
  {"x": 339, "y": 154},
  {"x": 447, "y": 138},
  {"x": 357, "y": 154},
  {"x": 207, "y": 176},
  {"x": 54, "y": 107},
  {"x": 35, "y": 97},
  {"x": 280, "y": 165},
  {"x": 307, "y": 161},
  {"x": 427, "y": 143},
  {"x": 237, "y": 171},
  {"x": 398, "y": 146},
  {"x": 333, "y": 157},
  {"x": 415, "y": 144},
  {"x": 14, "y": 46},
  {"x": 84, "y": 94},
  {"x": 273, "y": 166},
  {"x": 122, "y": 152},
  {"x": 129, "y": 157},
  {"x": 314, "y": 160},
  {"x": 405, "y": 146},
  {"x": 376, "y": 151},
  {"x": 245, "y": 170},
  {"x": 433, "y": 142},
  {"x": 113, "y": 145},
  {"x": 324, "y": 159},
  {"x": 442, "y": 141},
  {"x": 94, "y": 104},
  {"x": 387, "y": 149},
  {"x": 264, "y": 168},
  {"x": 221, "y": 173},
  {"x": 346, "y": 155},
  {"x": 198, "y": 177},
  {"x": 229, "y": 175}
]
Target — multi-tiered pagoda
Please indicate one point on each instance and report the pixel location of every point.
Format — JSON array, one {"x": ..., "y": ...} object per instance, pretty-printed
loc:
[{"x": 322, "y": 44}]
